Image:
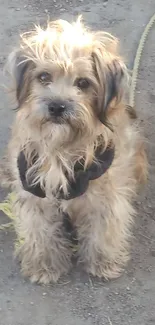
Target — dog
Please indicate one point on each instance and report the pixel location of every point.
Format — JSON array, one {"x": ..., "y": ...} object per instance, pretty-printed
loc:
[{"x": 74, "y": 150}]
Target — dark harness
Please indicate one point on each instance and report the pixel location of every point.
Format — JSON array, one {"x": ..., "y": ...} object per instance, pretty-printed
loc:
[{"x": 80, "y": 183}]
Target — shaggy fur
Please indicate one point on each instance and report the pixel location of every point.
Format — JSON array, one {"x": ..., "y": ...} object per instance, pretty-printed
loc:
[{"x": 80, "y": 70}]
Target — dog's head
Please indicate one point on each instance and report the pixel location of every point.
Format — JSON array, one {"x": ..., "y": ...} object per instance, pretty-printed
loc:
[{"x": 67, "y": 77}]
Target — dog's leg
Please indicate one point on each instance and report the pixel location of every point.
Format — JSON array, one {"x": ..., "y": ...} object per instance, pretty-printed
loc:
[
  {"x": 43, "y": 250},
  {"x": 103, "y": 235}
]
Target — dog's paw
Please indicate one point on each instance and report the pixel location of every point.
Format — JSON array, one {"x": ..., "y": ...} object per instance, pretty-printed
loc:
[
  {"x": 106, "y": 270},
  {"x": 42, "y": 276},
  {"x": 45, "y": 274}
]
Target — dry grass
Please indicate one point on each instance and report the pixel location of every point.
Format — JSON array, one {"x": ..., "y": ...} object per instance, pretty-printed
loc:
[{"x": 6, "y": 208}]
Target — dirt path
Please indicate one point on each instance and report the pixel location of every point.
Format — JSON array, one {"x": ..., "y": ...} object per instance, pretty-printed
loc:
[{"x": 76, "y": 300}]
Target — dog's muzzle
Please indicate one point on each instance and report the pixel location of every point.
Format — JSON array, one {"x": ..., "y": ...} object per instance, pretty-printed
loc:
[{"x": 59, "y": 109}]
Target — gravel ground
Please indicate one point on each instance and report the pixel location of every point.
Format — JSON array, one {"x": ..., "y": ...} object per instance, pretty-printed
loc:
[{"x": 77, "y": 300}]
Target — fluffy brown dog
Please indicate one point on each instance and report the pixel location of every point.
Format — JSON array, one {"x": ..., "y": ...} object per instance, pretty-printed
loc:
[{"x": 70, "y": 85}]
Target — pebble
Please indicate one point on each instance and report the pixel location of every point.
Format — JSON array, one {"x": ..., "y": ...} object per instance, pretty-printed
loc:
[
  {"x": 149, "y": 205},
  {"x": 17, "y": 9},
  {"x": 46, "y": 11},
  {"x": 44, "y": 293}
]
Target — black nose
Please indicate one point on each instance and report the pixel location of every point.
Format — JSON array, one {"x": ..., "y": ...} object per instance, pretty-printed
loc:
[{"x": 57, "y": 107}]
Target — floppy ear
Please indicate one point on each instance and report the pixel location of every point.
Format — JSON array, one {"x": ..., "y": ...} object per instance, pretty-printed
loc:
[
  {"x": 20, "y": 68},
  {"x": 111, "y": 76}
]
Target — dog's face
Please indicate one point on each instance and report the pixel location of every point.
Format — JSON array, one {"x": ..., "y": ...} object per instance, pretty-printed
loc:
[{"x": 66, "y": 78}]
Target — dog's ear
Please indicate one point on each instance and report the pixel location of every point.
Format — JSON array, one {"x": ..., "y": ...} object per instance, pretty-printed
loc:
[
  {"x": 111, "y": 74},
  {"x": 20, "y": 67}
]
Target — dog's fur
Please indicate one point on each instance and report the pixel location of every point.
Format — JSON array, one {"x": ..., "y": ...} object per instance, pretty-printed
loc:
[{"x": 95, "y": 116}]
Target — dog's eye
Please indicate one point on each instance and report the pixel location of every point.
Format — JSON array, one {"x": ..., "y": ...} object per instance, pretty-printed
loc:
[
  {"x": 82, "y": 83},
  {"x": 45, "y": 77}
]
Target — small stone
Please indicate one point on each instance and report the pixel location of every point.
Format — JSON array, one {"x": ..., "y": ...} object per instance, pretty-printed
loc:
[
  {"x": 32, "y": 303},
  {"x": 25, "y": 6},
  {"x": 44, "y": 294},
  {"x": 46, "y": 11},
  {"x": 62, "y": 9},
  {"x": 17, "y": 9},
  {"x": 128, "y": 288}
]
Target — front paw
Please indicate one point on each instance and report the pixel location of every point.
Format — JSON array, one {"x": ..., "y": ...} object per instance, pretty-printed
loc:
[
  {"x": 106, "y": 271},
  {"x": 44, "y": 267},
  {"x": 43, "y": 276}
]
